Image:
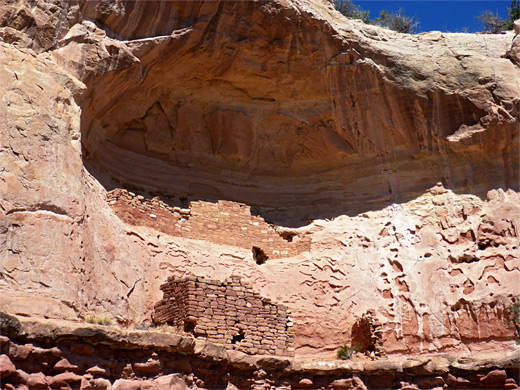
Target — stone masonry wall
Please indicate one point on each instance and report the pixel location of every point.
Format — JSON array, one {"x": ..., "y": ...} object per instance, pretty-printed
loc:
[
  {"x": 224, "y": 222},
  {"x": 228, "y": 313},
  {"x": 153, "y": 213}
]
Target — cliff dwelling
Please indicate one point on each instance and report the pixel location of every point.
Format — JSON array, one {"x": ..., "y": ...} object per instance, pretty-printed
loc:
[
  {"x": 330, "y": 182},
  {"x": 228, "y": 313},
  {"x": 222, "y": 222}
]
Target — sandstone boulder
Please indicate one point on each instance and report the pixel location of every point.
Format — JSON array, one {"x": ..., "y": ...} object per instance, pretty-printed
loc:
[
  {"x": 7, "y": 368},
  {"x": 150, "y": 367},
  {"x": 494, "y": 378},
  {"x": 37, "y": 381},
  {"x": 64, "y": 366},
  {"x": 63, "y": 380}
]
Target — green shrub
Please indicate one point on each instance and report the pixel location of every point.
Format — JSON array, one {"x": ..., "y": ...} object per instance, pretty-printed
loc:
[
  {"x": 513, "y": 14},
  {"x": 345, "y": 352},
  {"x": 491, "y": 22},
  {"x": 99, "y": 319},
  {"x": 351, "y": 10},
  {"x": 513, "y": 321},
  {"x": 397, "y": 21},
  {"x": 141, "y": 326}
]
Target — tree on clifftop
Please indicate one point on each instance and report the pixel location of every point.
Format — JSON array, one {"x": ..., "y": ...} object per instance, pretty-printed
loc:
[
  {"x": 491, "y": 22},
  {"x": 397, "y": 21},
  {"x": 351, "y": 10},
  {"x": 494, "y": 24},
  {"x": 513, "y": 13}
]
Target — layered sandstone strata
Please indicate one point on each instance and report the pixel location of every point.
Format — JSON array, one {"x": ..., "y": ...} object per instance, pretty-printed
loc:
[
  {"x": 325, "y": 128},
  {"x": 304, "y": 120}
]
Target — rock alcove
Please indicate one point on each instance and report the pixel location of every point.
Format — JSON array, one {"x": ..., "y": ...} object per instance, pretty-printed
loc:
[{"x": 314, "y": 128}]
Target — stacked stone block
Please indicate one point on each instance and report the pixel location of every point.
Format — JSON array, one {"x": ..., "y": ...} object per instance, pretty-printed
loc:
[
  {"x": 231, "y": 223},
  {"x": 224, "y": 222},
  {"x": 228, "y": 313},
  {"x": 143, "y": 204},
  {"x": 153, "y": 213}
]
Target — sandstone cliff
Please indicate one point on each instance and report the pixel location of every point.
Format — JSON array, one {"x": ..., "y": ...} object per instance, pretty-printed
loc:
[{"x": 328, "y": 136}]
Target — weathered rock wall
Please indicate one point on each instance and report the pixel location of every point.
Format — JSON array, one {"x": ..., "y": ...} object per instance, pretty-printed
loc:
[
  {"x": 339, "y": 130},
  {"x": 373, "y": 110},
  {"x": 59, "y": 354}
]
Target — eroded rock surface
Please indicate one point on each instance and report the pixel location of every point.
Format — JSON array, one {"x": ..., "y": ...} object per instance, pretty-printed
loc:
[
  {"x": 106, "y": 358},
  {"x": 334, "y": 134},
  {"x": 302, "y": 120}
]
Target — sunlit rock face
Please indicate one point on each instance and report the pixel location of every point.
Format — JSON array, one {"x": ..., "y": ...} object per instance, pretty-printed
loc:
[
  {"x": 332, "y": 134},
  {"x": 229, "y": 100}
]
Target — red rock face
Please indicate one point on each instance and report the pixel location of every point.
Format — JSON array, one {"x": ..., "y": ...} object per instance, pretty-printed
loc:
[
  {"x": 279, "y": 117},
  {"x": 129, "y": 359},
  {"x": 245, "y": 130}
]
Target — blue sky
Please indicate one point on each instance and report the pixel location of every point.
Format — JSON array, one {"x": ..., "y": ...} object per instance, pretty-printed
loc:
[{"x": 442, "y": 15}]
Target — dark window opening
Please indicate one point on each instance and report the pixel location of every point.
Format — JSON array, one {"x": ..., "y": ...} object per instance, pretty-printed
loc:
[
  {"x": 184, "y": 203},
  {"x": 189, "y": 326},
  {"x": 483, "y": 245},
  {"x": 238, "y": 337},
  {"x": 288, "y": 236},
  {"x": 259, "y": 255}
]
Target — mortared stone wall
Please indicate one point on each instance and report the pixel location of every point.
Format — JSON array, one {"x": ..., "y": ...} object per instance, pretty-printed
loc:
[
  {"x": 223, "y": 222},
  {"x": 228, "y": 313}
]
